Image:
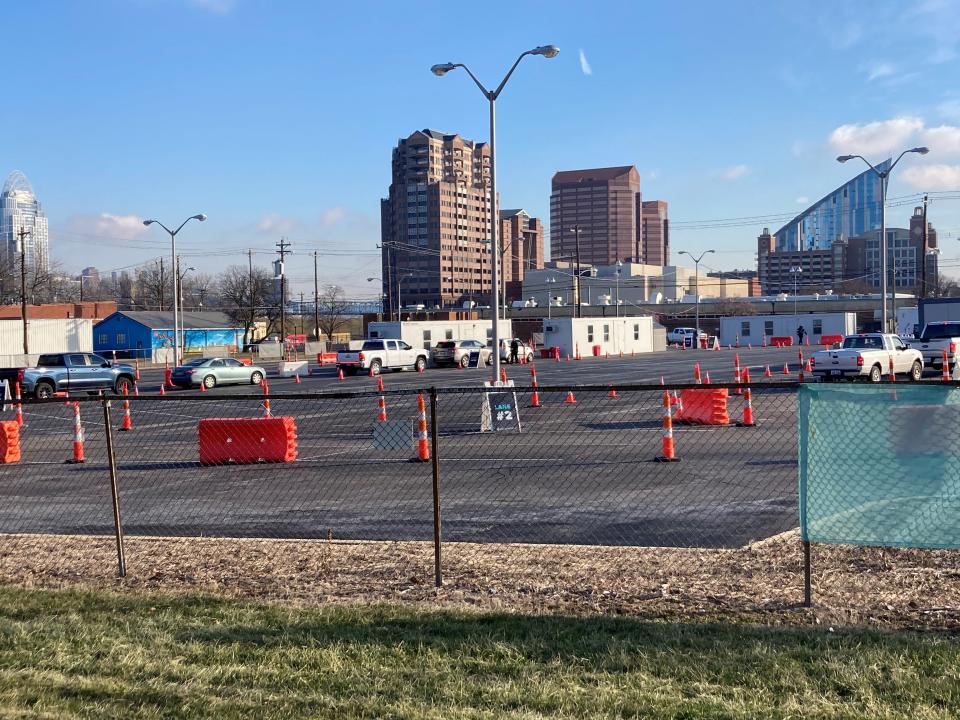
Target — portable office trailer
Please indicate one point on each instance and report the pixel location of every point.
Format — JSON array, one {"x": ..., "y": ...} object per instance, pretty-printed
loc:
[
  {"x": 427, "y": 333},
  {"x": 43, "y": 336},
  {"x": 751, "y": 329},
  {"x": 600, "y": 335}
]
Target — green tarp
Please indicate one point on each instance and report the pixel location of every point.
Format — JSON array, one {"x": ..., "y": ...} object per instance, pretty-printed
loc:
[{"x": 880, "y": 465}]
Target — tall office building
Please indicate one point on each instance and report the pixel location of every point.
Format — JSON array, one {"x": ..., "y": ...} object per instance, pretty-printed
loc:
[
  {"x": 654, "y": 233},
  {"x": 435, "y": 223},
  {"x": 521, "y": 245},
  {"x": 850, "y": 210},
  {"x": 20, "y": 209},
  {"x": 603, "y": 204}
]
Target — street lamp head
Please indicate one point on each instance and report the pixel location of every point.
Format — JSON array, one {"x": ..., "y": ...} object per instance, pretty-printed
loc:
[
  {"x": 683, "y": 252},
  {"x": 711, "y": 251},
  {"x": 844, "y": 158},
  {"x": 920, "y": 150},
  {"x": 148, "y": 223},
  {"x": 442, "y": 69},
  {"x": 201, "y": 217},
  {"x": 548, "y": 51},
  {"x": 372, "y": 279}
]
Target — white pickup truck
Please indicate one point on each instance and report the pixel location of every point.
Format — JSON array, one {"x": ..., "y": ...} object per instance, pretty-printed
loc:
[
  {"x": 378, "y": 355},
  {"x": 935, "y": 338},
  {"x": 868, "y": 357}
]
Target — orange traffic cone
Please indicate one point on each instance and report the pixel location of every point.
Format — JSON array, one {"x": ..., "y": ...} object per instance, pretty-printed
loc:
[
  {"x": 127, "y": 422},
  {"x": 786, "y": 369},
  {"x": 945, "y": 377},
  {"x": 163, "y": 390},
  {"x": 747, "y": 403},
  {"x": 668, "y": 454},
  {"x": 503, "y": 374},
  {"x": 706, "y": 378},
  {"x": 535, "y": 398},
  {"x": 19, "y": 415},
  {"x": 136, "y": 370},
  {"x": 423, "y": 444},
  {"x": 379, "y": 383},
  {"x": 571, "y": 400},
  {"x": 340, "y": 373},
  {"x": 266, "y": 398},
  {"x": 767, "y": 373},
  {"x": 296, "y": 379},
  {"x": 77, "y": 436},
  {"x": 203, "y": 387},
  {"x": 612, "y": 393}
]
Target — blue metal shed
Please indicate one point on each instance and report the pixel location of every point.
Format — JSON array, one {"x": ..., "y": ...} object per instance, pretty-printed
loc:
[{"x": 138, "y": 334}]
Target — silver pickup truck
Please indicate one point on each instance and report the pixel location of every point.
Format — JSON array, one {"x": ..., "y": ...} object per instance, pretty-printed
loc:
[
  {"x": 73, "y": 373},
  {"x": 868, "y": 357},
  {"x": 935, "y": 338}
]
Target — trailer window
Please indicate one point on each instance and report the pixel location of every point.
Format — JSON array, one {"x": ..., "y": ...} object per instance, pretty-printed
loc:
[
  {"x": 818, "y": 327},
  {"x": 606, "y": 333},
  {"x": 768, "y": 328},
  {"x": 745, "y": 328},
  {"x": 589, "y": 333},
  {"x": 636, "y": 331}
]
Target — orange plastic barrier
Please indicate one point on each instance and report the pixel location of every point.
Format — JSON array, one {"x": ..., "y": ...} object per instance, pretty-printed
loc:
[
  {"x": 244, "y": 441},
  {"x": 781, "y": 340},
  {"x": 245, "y": 361},
  {"x": 9, "y": 441},
  {"x": 326, "y": 359},
  {"x": 829, "y": 340},
  {"x": 704, "y": 407}
]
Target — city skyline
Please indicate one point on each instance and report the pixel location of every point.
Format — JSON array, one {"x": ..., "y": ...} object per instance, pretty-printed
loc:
[{"x": 151, "y": 128}]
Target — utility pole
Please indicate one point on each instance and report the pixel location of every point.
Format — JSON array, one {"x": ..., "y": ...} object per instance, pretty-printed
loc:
[
  {"x": 282, "y": 251},
  {"x": 316, "y": 299},
  {"x": 178, "y": 342},
  {"x": 576, "y": 232},
  {"x": 923, "y": 252},
  {"x": 22, "y": 235},
  {"x": 162, "y": 286},
  {"x": 253, "y": 309}
]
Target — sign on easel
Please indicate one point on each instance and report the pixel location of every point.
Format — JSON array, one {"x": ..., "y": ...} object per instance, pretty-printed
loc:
[
  {"x": 500, "y": 411},
  {"x": 5, "y": 395},
  {"x": 473, "y": 360}
]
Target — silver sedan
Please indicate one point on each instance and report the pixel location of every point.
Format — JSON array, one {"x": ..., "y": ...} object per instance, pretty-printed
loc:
[{"x": 211, "y": 372}]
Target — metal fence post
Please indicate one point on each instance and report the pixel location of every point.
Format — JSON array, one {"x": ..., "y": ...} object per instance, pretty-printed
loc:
[
  {"x": 115, "y": 494},
  {"x": 807, "y": 591},
  {"x": 434, "y": 438}
]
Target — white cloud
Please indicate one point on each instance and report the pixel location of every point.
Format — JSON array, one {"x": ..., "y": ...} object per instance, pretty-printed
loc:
[
  {"x": 332, "y": 216},
  {"x": 107, "y": 225},
  {"x": 879, "y": 70},
  {"x": 584, "y": 65},
  {"x": 217, "y": 7},
  {"x": 803, "y": 200},
  {"x": 735, "y": 172},
  {"x": 883, "y": 136},
  {"x": 652, "y": 175},
  {"x": 277, "y": 224},
  {"x": 942, "y": 140},
  {"x": 933, "y": 177}
]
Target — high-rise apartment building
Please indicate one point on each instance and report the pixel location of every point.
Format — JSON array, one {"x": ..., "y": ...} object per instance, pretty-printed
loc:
[
  {"x": 654, "y": 233},
  {"x": 20, "y": 209},
  {"x": 603, "y": 204},
  {"x": 435, "y": 223},
  {"x": 850, "y": 210},
  {"x": 521, "y": 248}
]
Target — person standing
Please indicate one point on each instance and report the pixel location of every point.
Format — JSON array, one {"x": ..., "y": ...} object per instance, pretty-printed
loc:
[
  {"x": 514, "y": 351},
  {"x": 800, "y": 334}
]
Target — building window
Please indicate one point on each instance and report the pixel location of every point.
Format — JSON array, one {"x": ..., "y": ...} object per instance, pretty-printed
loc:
[
  {"x": 606, "y": 333},
  {"x": 121, "y": 339},
  {"x": 449, "y": 335},
  {"x": 818, "y": 327},
  {"x": 768, "y": 328},
  {"x": 589, "y": 333},
  {"x": 103, "y": 339},
  {"x": 426, "y": 338},
  {"x": 636, "y": 332},
  {"x": 745, "y": 328}
]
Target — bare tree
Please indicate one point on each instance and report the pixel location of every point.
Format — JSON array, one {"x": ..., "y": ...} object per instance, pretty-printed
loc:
[
  {"x": 198, "y": 290},
  {"x": 943, "y": 286},
  {"x": 332, "y": 304},
  {"x": 244, "y": 297}
]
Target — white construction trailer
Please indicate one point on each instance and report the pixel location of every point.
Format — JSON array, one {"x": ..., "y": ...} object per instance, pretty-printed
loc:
[
  {"x": 427, "y": 333},
  {"x": 751, "y": 329},
  {"x": 600, "y": 336}
]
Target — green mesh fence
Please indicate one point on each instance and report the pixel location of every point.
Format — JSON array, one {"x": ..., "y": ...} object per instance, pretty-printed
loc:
[{"x": 880, "y": 465}]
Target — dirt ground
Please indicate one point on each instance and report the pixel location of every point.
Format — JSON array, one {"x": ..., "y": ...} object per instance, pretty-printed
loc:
[{"x": 762, "y": 582}]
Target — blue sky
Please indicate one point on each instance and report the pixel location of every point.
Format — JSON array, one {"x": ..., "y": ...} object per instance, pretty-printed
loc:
[{"x": 278, "y": 118}]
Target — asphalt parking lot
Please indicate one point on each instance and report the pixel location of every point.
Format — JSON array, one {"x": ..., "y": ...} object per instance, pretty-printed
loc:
[{"x": 580, "y": 473}]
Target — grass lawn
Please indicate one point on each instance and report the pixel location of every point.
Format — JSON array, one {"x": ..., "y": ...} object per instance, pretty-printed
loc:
[{"x": 105, "y": 655}]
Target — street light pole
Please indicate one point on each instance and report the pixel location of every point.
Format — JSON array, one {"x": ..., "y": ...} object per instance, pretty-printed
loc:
[
  {"x": 884, "y": 175},
  {"x": 22, "y": 234},
  {"x": 550, "y": 282},
  {"x": 696, "y": 280},
  {"x": 547, "y": 51},
  {"x": 795, "y": 271},
  {"x": 173, "y": 253},
  {"x": 619, "y": 265},
  {"x": 576, "y": 231}
]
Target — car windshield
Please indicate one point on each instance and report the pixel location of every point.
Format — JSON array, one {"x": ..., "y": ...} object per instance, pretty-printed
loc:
[{"x": 940, "y": 331}]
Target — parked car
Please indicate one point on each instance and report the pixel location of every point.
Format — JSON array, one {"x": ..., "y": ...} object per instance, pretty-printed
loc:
[
  {"x": 935, "y": 338},
  {"x": 376, "y": 356},
  {"x": 70, "y": 372},
  {"x": 524, "y": 351},
  {"x": 214, "y": 371},
  {"x": 457, "y": 352},
  {"x": 867, "y": 357},
  {"x": 684, "y": 335}
]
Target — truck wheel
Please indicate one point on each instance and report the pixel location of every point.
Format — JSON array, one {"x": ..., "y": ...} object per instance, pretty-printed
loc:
[
  {"x": 375, "y": 367},
  {"x": 916, "y": 372},
  {"x": 420, "y": 364},
  {"x": 256, "y": 378},
  {"x": 875, "y": 374},
  {"x": 43, "y": 391},
  {"x": 123, "y": 383}
]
